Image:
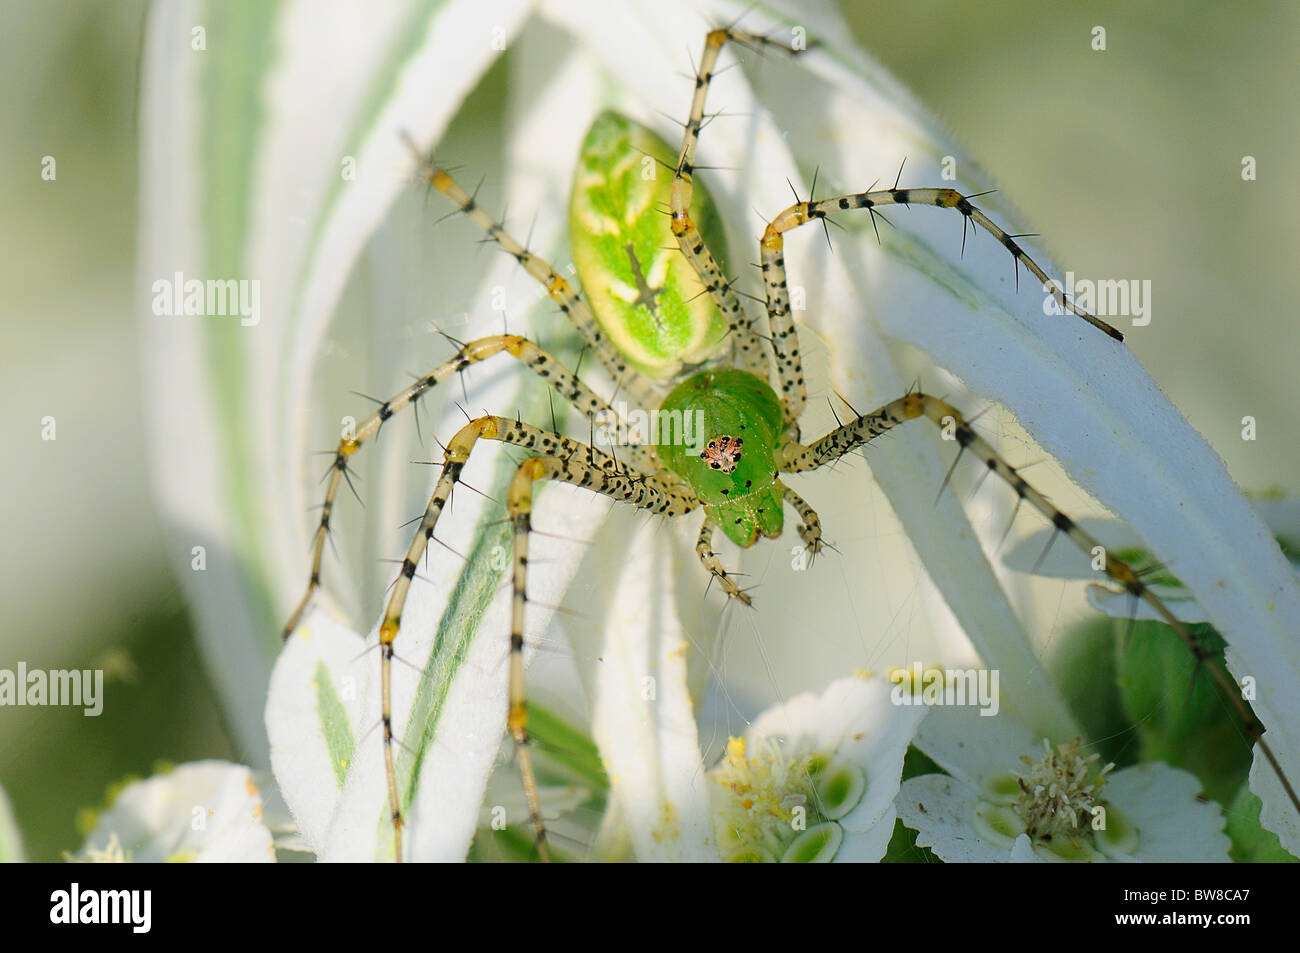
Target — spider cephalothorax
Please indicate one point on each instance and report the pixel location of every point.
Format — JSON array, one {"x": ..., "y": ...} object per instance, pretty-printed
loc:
[{"x": 735, "y": 475}]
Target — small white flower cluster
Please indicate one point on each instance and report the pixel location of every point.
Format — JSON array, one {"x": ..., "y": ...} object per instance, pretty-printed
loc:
[
  {"x": 1059, "y": 789},
  {"x": 999, "y": 803},
  {"x": 1057, "y": 804},
  {"x": 768, "y": 807},
  {"x": 204, "y": 811},
  {"x": 815, "y": 779}
]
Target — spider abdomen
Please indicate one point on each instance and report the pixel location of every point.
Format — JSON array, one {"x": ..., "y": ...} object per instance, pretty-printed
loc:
[{"x": 644, "y": 293}]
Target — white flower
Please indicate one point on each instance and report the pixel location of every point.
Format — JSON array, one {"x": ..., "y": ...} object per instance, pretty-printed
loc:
[
  {"x": 814, "y": 779},
  {"x": 1011, "y": 795},
  {"x": 203, "y": 812},
  {"x": 283, "y": 163}
]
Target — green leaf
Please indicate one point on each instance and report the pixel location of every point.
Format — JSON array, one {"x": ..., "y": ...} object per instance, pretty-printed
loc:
[
  {"x": 567, "y": 748},
  {"x": 916, "y": 763},
  {"x": 1250, "y": 842},
  {"x": 1084, "y": 664},
  {"x": 1180, "y": 715},
  {"x": 903, "y": 850}
]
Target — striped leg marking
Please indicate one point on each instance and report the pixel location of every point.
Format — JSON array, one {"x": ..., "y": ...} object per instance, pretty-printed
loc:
[
  {"x": 533, "y": 357},
  {"x": 784, "y": 339},
  {"x": 562, "y": 459},
  {"x": 749, "y": 352},
  {"x": 575, "y": 464},
  {"x": 626, "y": 378},
  {"x": 811, "y": 530},
  {"x": 704, "y": 549},
  {"x": 865, "y": 428}
]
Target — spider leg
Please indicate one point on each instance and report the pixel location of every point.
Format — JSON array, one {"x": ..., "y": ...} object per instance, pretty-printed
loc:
[
  {"x": 865, "y": 428},
  {"x": 533, "y": 357},
  {"x": 704, "y": 549},
  {"x": 562, "y": 459},
  {"x": 579, "y": 465},
  {"x": 749, "y": 353},
  {"x": 811, "y": 529},
  {"x": 784, "y": 340},
  {"x": 626, "y": 378}
]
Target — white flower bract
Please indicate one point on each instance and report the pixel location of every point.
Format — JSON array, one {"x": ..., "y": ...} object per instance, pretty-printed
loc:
[
  {"x": 1010, "y": 795},
  {"x": 200, "y": 812}
]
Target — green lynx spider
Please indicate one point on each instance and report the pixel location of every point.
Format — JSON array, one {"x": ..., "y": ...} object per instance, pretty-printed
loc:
[{"x": 644, "y": 313}]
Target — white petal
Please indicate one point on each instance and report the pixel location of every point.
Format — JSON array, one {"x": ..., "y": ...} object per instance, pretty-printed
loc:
[
  {"x": 1065, "y": 562},
  {"x": 186, "y": 452},
  {"x": 853, "y": 720},
  {"x": 1173, "y": 825},
  {"x": 228, "y": 402},
  {"x": 1276, "y": 813},
  {"x": 852, "y": 140},
  {"x": 868, "y": 844},
  {"x": 1022, "y": 852},
  {"x": 204, "y": 811},
  {"x": 941, "y": 810},
  {"x": 643, "y": 718},
  {"x": 970, "y": 745},
  {"x": 312, "y": 716}
]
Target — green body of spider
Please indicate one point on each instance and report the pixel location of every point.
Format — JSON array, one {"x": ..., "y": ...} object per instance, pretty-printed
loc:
[
  {"x": 739, "y": 493},
  {"x": 653, "y": 306}
]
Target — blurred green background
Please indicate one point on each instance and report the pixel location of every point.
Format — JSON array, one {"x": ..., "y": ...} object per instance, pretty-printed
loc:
[{"x": 1127, "y": 160}]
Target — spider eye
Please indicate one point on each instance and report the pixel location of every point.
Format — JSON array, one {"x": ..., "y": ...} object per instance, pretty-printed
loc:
[{"x": 723, "y": 453}]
